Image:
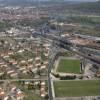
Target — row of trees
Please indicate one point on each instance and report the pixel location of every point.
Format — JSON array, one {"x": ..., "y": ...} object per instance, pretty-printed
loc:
[{"x": 84, "y": 20}]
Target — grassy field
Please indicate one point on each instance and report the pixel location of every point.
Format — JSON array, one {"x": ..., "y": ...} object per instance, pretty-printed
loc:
[
  {"x": 77, "y": 88},
  {"x": 70, "y": 66},
  {"x": 31, "y": 95}
]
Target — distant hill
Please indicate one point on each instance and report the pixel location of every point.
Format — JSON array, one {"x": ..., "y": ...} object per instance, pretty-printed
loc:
[
  {"x": 68, "y": 4},
  {"x": 17, "y": 2},
  {"x": 34, "y": 2},
  {"x": 91, "y": 6},
  {"x": 85, "y": 7}
]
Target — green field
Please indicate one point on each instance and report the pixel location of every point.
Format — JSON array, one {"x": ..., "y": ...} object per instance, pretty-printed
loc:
[
  {"x": 69, "y": 66},
  {"x": 77, "y": 88}
]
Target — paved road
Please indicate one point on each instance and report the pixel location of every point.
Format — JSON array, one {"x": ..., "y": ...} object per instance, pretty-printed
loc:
[{"x": 34, "y": 79}]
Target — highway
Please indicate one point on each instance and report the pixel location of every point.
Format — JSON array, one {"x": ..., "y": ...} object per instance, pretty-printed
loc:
[{"x": 50, "y": 65}]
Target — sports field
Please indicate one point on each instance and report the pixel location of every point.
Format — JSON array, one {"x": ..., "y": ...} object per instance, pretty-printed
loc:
[
  {"x": 77, "y": 88},
  {"x": 69, "y": 66}
]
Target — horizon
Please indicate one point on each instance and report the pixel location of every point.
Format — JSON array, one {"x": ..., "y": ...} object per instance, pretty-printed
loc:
[{"x": 54, "y": 0}]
